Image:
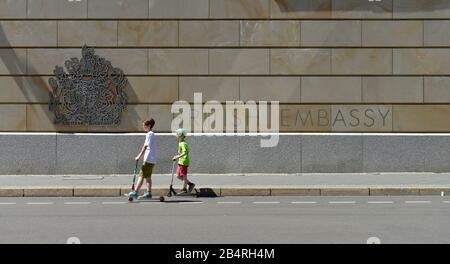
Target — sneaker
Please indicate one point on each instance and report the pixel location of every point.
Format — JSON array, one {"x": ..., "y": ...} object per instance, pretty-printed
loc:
[
  {"x": 133, "y": 195},
  {"x": 191, "y": 186},
  {"x": 146, "y": 195}
]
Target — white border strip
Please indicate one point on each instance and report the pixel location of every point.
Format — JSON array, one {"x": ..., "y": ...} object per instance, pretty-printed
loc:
[{"x": 229, "y": 134}]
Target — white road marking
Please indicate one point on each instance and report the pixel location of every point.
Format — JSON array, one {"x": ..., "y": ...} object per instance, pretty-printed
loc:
[
  {"x": 77, "y": 203},
  {"x": 229, "y": 202},
  {"x": 304, "y": 202},
  {"x": 7, "y": 203},
  {"x": 266, "y": 202},
  {"x": 113, "y": 203},
  {"x": 417, "y": 202},
  {"x": 380, "y": 202},
  {"x": 343, "y": 202},
  {"x": 446, "y": 201},
  {"x": 39, "y": 203}
]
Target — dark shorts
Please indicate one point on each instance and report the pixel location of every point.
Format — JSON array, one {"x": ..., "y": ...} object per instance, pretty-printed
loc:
[
  {"x": 147, "y": 170},
  {"x": 182, "y": 170}
]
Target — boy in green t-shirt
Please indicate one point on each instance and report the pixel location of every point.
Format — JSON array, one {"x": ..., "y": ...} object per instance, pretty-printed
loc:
[{"x": 183, "y": 161}]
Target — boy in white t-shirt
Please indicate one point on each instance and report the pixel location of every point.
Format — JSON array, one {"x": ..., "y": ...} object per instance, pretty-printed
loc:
[{"x": 149, "y": 152}]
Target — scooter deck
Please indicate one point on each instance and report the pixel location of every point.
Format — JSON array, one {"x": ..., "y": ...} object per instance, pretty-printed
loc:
[
  {"x": 194, "y": 193},
  {"x": 131, "y": 199}
]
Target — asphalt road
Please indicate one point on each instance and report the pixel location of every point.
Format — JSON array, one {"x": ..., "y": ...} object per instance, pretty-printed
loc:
[{"x": 247, "y": 220}]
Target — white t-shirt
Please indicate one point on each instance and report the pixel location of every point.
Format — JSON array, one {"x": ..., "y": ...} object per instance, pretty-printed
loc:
[{"x": 150, "y": 152}]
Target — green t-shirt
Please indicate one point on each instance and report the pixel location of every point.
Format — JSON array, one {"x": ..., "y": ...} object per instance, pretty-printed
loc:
[{"x": 182, "y": 148}]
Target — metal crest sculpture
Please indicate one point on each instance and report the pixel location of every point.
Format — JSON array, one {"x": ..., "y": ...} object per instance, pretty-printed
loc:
[{"x": 90, "y": 93}]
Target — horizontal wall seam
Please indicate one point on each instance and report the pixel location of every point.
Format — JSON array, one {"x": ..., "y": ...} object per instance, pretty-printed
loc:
[
  {"x": 251, "y": 75},
  {"x": 228, "y": 19},
  {"x": 227, "y": 47}
]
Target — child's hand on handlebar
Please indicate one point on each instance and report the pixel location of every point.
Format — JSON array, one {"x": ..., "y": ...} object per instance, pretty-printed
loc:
[{"x": 175, "y": 158}]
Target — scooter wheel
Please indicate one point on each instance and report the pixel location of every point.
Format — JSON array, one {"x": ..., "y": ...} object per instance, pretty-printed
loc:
[
  {"x": 169, "y": 195},
  {"x": 130, "y": 199},
  {"x": 161, "y": 199}
]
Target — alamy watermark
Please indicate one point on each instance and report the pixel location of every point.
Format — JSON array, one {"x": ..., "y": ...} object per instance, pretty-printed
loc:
[{"x": 232, "y": 118}]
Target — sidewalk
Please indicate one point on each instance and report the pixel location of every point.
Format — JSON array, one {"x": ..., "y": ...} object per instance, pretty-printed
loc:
[{"x": 344, "y": 184}]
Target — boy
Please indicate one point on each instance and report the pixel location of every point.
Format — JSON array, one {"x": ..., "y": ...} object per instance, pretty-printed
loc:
[
  {"x": 183, "y": 161},
  {"x": 149, "y": 152}
]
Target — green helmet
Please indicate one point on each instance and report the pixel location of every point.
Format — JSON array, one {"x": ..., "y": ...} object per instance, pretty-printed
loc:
[{"x": 181, "y": 132}]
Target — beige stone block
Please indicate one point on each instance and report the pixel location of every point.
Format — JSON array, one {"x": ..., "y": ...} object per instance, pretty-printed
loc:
[
  {"x": 158, "y": 192},
  {"x": 48, "y": 192},
  {"x": 282, "y": 89},
  {"x": 57, "y": 9},
  {"x": 421, "y": 61},
  {"x": 27, "y": 33},
  {"x": 437, "y": 90},
  {"x": 131, "y": 61},
  {"x": 152, "y": 89},
  {"x": 40, "y": 119},
  {"x": 212, "y": 88},
  {"x": 148, "y": 33},
  {"x": 239, "y": 61},
  {"x": 270, "y": 33},
  {"x": 362, "y": 61},
  {"x": 178, "y": 61},
  {"x": 392, "y": 33},
  {"x": 23, "y": 89},
  {"x": 239, "y": 8},
  {"x": 294, "y": 192},
  {"x": 90, "y": 191},
  {"x": 209, "y": 33},
  {"x": 118, "y": 8},
  {"x": 421, "y": 118},
  {"x": 13, "y": 8},
  {"x": 300, "y": 61},
  {"x": 305, "y": 118},
  {"x": 11, "y": 192},
  {"x": 91, "y": 33},
  {"x": 163, "y": 116},
  {"x": 331, "y": 33},
  {"x": 433, "y": 191},
  {"x": 331, "y": 90},
  {"x": 362, "y": 9},
  {"x": 392, "y": 89},
  {"x": 344, "y": 192},
  {"x": 43, "y": 61},
  {"x": 437, "y": 33},
  {"x": 13, "y": 117},
  {"x": 244, "y": 192},
  {"x": 394, "y": 191},
  {"x": 179, "y": 9},
  {"x": 361, "y": 118},
  {"x": 309, "y": 9},
  {"x": 421, "y": 9},
  {"x": 13, "y": 61},
  {"x": 134, "y": 115},
  {"x": 131, "y": 120}
]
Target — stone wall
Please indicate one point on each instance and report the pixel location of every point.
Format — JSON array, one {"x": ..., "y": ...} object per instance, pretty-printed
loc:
[
  {"x": 96, "y": 154},
  {"x": 341, "y": 65}
]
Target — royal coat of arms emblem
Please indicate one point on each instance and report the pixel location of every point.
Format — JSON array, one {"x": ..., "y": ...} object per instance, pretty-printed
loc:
[{"x": 91, "y": 92}]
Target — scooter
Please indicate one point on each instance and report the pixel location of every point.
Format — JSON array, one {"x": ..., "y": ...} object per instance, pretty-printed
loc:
[
  {"x": 131, "y": 199},
  {"x": 173, "y": 193}
]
